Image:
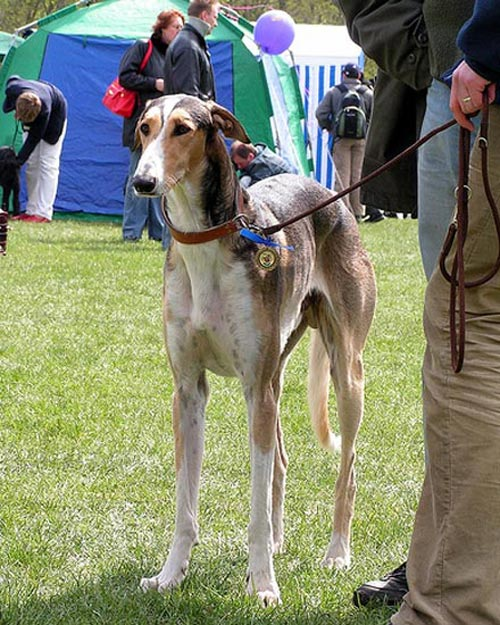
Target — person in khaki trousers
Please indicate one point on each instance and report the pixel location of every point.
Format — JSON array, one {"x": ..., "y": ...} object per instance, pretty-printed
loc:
[
  {"x": 348, "y": 153},
  {"x": 454, "y": 562}
]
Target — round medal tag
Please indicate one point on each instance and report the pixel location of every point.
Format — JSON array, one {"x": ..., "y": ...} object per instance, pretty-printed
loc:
[{"x": 267, "y": 259}]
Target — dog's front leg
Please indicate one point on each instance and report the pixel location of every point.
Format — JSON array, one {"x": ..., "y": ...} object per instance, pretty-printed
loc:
[
  {"x": 262, "y": 421},
  {"x": 188, "y": 420}
]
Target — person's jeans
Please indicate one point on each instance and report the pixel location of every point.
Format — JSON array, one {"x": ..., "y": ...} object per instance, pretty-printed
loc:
[
  {"x": 437, "y": 175},
  {"x": 140, "y": 211}
]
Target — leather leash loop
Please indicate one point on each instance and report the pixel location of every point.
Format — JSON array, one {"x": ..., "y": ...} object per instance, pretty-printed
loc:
[{"x": 458, "y": 230}]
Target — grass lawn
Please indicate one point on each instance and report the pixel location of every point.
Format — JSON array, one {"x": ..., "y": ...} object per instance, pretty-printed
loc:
[{"x": 86, "y": 445}]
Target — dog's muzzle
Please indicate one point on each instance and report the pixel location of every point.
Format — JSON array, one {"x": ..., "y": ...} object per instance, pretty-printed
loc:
[{"x": 144, "y": 185}]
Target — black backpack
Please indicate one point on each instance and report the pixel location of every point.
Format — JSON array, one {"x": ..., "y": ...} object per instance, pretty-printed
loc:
[{"x": 351, "y": 122}]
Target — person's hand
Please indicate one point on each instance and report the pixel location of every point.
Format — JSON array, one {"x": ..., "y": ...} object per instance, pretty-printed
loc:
[
  {"x": 466, "y": 97},
  {"x": 159, "y": 84}
]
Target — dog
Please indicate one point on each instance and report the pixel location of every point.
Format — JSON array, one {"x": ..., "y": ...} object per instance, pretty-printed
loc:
[
  {"x": 226, "y": 310},
  {"x": 9, "y": 179}
]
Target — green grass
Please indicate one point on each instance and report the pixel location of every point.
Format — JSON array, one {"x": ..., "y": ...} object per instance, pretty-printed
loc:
[{"x": 86, "y": 450}]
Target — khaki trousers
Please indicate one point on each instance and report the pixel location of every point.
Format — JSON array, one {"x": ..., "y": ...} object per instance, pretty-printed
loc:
[
  {"x": 454, "y": 561},
  {"x": 348, "y": 157}
]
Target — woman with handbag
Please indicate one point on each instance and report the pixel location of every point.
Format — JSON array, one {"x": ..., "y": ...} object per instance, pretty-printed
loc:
[{"x": 148, "y": 84}]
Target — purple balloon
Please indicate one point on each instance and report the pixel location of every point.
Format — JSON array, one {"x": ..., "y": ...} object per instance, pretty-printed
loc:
[{"x": 274, "y": 32}]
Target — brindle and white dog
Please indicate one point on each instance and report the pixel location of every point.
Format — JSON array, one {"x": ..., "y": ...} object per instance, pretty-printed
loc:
[{"x": 226, "y": 313}]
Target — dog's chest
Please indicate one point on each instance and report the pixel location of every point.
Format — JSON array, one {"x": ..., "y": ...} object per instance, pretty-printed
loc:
[{"x": 211, "y": 310}]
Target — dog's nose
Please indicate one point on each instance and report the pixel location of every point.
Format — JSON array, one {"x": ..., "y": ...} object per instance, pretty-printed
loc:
[{"x": 144, "y": 184}]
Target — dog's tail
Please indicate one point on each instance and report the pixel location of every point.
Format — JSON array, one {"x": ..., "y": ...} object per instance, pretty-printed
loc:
[{"x": 318, "y": 390}]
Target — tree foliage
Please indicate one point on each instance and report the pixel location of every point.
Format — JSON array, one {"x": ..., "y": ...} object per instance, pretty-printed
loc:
[
  {"x": 15, "y": 14},
  {"x": 302, "y": 11}
]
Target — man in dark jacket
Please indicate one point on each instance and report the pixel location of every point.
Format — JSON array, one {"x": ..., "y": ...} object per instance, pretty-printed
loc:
[
  {"x": 256, "y": 162},
  {"x": 188, "y": 68},
  {"x": 42, "y": 109},
  {"x": 418, "y": 46}
]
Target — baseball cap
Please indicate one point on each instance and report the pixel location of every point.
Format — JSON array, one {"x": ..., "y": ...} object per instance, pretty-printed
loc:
[{"x": 351, "y": 70}]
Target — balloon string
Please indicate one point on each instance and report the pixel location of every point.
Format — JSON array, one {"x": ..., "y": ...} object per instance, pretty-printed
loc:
[{"x": 249, "y": 7}]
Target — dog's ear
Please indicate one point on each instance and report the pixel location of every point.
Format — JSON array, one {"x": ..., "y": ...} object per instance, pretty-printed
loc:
[{"x": 227, "y": 123}]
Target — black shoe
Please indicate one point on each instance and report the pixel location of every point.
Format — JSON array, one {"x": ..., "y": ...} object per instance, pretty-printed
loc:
[
  {"x": 389, "y": 590},
  {"x": 374, "y": 218}
]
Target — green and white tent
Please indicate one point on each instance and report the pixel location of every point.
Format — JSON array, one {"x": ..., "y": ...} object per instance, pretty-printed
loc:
[
  {"x": 79, "y": 48},
  {"x": 6, "y": 41}
]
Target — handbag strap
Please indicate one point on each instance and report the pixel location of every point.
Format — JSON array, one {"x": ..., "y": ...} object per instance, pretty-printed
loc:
[{"x": 147, "y": 56}]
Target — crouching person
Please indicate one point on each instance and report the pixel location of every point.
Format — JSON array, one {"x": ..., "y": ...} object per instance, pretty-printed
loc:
[
  {"x": 42, "y": 110},
  {"x": 256, "y": 162}
]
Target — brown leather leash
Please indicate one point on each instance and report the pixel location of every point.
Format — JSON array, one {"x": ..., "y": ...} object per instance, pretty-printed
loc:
[
  {"x": 458, "y": 230},
  {"x": 241, "y": 221}
]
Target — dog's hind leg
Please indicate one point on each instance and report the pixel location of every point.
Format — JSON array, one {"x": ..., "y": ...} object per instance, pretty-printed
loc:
[
  {"x": 189, "y": 403},
  {"x": 262, "y": 409},
  {"x": 346, "y": 368},
  {"x": 279, "y": 480}
]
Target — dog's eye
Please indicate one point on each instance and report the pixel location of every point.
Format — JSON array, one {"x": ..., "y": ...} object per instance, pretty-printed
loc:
[
  {"x": 181, "y": 129},
  {"x": 144, "y": 128}
]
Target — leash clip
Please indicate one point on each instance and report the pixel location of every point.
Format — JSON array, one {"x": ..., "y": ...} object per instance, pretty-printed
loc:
[
  {"x": 246, "y": 224},
  {"x": 242, "y": 221}
]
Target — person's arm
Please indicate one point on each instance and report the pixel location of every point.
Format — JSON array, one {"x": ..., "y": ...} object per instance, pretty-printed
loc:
[
  {"x": 393, "y": 34},
  {"x": 324, "y": 112},
  {"x": 128, "y": 72},
  {"x": 36, "y": 132},
  {"x": 32, "y": 140},
  {"x": 480, "y": 70},
  {"x": 479, "y": 39},
  {"x": 368, "y": 102}
]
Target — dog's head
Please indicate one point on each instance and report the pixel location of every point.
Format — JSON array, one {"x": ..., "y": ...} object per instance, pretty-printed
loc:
[
  {"x": 179, "y": 136},
  {"x": 7, "y": 157}
]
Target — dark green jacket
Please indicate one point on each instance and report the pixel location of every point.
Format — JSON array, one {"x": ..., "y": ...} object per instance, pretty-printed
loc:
[{"x": 412, "y": 41}]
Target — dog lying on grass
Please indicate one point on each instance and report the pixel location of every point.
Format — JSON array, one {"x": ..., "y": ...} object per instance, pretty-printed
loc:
[
  {"x": 233, "y": 310},
  {"x": 9, "y": 179}
]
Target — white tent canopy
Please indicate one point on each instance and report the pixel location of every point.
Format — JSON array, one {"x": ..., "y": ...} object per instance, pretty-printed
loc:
[{"x": 317, "y": 44}]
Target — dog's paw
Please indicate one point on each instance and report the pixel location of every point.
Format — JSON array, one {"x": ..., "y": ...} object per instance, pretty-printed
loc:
[
  {"x": 265, "y": 588},
  {"x": 149, "y": 583},
  {"x": 164, "y": 581},
  {"x": 339, "y": 563},
  {"x": 338, "y": 554},
  {"x": 268, "y": 599}
]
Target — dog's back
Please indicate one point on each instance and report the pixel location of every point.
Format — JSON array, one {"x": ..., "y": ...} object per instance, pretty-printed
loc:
[
  {"x": 9, "y": 179},
  {"x": 333, "y": 228}
]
